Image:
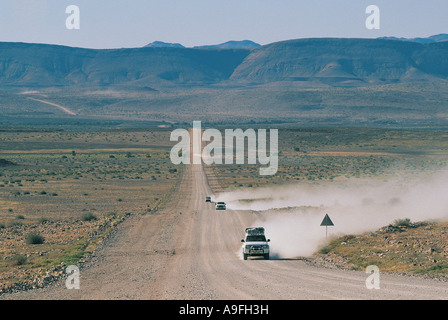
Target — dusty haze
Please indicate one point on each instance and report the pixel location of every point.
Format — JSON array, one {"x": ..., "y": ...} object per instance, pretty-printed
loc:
[{"x": 292, "y": 214}]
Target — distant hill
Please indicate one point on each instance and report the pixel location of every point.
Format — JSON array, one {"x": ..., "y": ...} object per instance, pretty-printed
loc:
[
  {"x": 160, "y": 44},
  {"x": 41, "y": 65},
  {"x": 244, "y": 44},
  {"x": 320, "y": 61},
  {"x": 435, "y": 38},
  {"x": 336, "y": 61}
]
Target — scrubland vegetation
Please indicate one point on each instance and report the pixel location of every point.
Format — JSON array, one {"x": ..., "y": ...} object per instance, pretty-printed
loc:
[{"x": 61, "y": 193}]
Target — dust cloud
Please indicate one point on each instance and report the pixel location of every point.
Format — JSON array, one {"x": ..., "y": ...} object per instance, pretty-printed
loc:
[{"x": 292, "y": 214}]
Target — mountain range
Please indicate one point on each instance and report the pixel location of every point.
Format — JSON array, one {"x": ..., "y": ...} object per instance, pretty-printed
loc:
[
  {"x": 244, "y": 44},
  {"x": 248, "y": 44},
  {"x": 435, "y": 38},
  {"x": 302, "y": 62},
  {"x": 161, "y": 44}
]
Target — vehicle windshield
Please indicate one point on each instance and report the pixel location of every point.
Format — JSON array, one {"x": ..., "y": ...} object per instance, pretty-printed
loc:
[{"x": 255, "y": 238}]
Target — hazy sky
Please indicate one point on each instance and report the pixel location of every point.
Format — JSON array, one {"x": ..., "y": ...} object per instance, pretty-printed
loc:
[{"x": 134, "y": 23}]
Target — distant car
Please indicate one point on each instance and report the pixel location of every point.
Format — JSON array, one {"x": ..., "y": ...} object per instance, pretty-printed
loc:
[
  {"x": 208, "y": 199},
  {"x": 220, "y": 206}
]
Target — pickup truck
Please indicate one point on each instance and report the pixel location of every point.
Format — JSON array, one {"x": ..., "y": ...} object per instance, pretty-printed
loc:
[{"x": 255, "y": 243}]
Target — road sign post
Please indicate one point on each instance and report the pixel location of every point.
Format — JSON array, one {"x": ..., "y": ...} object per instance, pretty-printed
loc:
[{"x": 326, "y": 222}]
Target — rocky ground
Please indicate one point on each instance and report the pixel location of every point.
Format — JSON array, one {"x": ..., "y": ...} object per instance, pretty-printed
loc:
[
  {"x": 418, "y": 249},
  {"x": 27, "y": 265}
]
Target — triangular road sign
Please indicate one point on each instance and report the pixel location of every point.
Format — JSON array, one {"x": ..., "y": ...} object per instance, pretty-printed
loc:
[{"x": 327, "y": 221}]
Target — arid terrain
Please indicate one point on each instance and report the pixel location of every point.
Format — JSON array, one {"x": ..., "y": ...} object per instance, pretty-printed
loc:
[
  {"x": 72, "y": 188},
  {"x": 356, "y": 208},
  {"x": 155, "y": 237}
]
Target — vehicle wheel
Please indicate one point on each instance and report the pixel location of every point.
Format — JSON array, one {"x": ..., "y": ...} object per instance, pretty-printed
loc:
[
  {"x": 245, "y": 256},
  {"x": 266, "y": 256}
]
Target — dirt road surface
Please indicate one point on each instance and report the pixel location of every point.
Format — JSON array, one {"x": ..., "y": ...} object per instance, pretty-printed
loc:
[
  {"x": 64, "y": 109},
  {"x": 189, "y": 250}
]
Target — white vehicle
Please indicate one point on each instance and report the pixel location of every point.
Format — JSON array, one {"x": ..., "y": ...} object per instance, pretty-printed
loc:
[
  {"x": 220, "y": 206},
  {"x": 255, "y": 243}
]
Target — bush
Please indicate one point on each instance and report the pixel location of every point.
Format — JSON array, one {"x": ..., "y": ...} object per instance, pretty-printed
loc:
[
  {"x": 15, "y": 223},
  {"x": 325, "y": 250},
  {"x": 43, "y": 220},
  {"x": 20, "y": 217},
  {"x": 34, "y": 238},
  {"x": 406, "y": 222},
  {"x": 348, "y": 237},
  {"x": 88, "y": 216},
  {"x": 18, "y": 260},
  {"x": 111, "y": 215}
]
